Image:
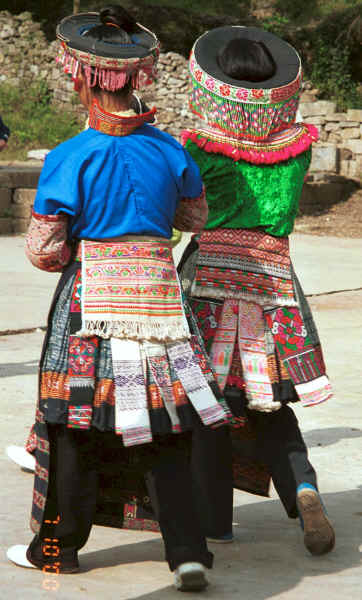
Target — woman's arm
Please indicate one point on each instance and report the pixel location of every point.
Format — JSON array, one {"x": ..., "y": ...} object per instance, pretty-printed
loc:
[
  {"x": 191, "y": 213},
  {"x": 46, "y": 242}
]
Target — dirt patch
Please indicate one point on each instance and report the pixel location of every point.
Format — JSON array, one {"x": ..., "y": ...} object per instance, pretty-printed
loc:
[{"x": 328, "y": 214}]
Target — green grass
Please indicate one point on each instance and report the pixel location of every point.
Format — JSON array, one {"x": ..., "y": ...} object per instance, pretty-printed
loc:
[{"x": 33, "y": 121}]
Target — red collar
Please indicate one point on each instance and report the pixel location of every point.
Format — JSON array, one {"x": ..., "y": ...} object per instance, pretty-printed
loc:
[{"x": 117, "y": 125}]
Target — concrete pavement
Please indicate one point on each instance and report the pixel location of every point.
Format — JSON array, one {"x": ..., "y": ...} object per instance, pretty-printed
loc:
[{"x": 267, "y": 559}]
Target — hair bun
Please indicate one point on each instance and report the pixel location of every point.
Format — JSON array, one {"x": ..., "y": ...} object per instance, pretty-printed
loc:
[{"x": 118, "y": 16}]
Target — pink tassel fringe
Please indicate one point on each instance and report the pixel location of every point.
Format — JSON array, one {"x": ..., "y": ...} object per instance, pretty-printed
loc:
[
  {"x": 254, "y": 156},
  {"x": 108, "y": 79}
]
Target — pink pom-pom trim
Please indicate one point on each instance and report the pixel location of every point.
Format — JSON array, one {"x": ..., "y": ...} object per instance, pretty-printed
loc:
[{"x": 255, "y": 155}]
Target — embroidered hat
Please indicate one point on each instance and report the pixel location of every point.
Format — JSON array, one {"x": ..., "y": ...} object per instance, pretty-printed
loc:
[
  {"x": 110, "y": 50},
  {"x": 250, "y": 120},
  {"x": 246, "y": 109}
]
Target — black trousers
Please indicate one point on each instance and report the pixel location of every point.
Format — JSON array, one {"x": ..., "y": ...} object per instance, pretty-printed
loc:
[
  {"x": 280, "y": 446},
  {"x": 73, "y": 485},
  {"x": 283, "y": 450},
  {"x": 211, "y": 463}
]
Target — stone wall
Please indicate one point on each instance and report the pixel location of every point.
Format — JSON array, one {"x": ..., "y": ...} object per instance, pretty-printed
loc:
[
  {"x": 17, "y": 191},
  {"x": 339, "y": 150},
  {"x": 25, "y": 54}
]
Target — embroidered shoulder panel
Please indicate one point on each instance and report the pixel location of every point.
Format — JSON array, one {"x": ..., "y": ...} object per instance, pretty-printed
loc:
[{"x": 277, "y": 148}]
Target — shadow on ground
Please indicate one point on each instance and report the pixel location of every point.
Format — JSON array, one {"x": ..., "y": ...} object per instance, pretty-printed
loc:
[
  {"x": 267, "y": 558},
  {"x": 330, "y": 435},
  {"x": 29, "y": 367}
]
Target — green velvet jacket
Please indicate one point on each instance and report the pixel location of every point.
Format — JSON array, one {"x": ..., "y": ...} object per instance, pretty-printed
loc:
[{"x": 241, "y": 195}]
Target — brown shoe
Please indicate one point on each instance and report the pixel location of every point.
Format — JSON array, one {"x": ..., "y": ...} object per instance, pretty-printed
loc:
[{"x": 319, "y": 535}]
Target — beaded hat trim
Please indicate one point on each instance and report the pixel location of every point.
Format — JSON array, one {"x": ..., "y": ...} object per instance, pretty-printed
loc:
[
  {"x": 241, "y": 94},
  {"x": 244, "y": 112},
  {"x": 109, "y": 72}
]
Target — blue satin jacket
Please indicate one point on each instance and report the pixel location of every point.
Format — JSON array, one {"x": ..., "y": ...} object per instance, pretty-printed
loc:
[{"x": 112, "y": 186}]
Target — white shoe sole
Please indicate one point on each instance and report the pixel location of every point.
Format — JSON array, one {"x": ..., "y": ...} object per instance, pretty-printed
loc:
[
  {"x": 17, "y": 555},
  {"x": 21, "y": 457},
  {"x": 190, "y": 577}
]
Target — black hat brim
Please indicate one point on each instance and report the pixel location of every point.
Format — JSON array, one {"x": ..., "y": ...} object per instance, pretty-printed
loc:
[
  {"x": 71, "y": 30},
  {"x": 286, "y": 58}
]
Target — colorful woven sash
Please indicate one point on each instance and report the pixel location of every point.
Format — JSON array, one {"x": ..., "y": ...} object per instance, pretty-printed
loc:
[
  {"x": 299, "y": 354},
  {"x": 131, "y": 360},
  {"x": 131, "y": 290},
  {"x": 244, "y": 264}
]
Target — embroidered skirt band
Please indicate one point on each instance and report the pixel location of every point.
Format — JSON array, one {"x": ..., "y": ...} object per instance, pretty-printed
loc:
[
  {"x": 131, "y": 290},
  {"x": 245, "y": 264}
]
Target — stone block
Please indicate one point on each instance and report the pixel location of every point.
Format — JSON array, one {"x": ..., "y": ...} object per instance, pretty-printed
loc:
[
  {"x": 358, "y": 161},
  {"x": 19, "y": 177},
  {"x": 307, "y": 97},
  {"x": 21, "y": 211},
  {"x": 24, "y": 196},
  {"x": 353, "y": 169},
  {"x": 344, "y": 167},
  {"x": 6, "y": 226},
  {"x": 354, "y": 146},
  {"x": 334, "y": 138},
  {"x": 317, "y": 120},
  {"x": 345, "y": 154},
  {"x": 332, "y": 126},
  {"x": 5, "y": 201},
  {"x": 337, "y": 117},
  {"x": 354, "y": 114},
  {"x": 335, "y": 178},
  {"x": 324, "y": 158},
  {"x": 349, "y": 124},
  {"x": 350, "y": 133},
  {"x": 320, "y": 193},
  {"x": 20, "y": 225},
  {"x": 319, "y": 108}
]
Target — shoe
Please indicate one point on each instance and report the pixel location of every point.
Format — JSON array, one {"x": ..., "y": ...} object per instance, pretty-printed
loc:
[
  {"x": 20, "y": 555},
  {"x": 17, "y": 555},
  {"x": 65, "y": 564},
  {"x": 228, "y": 538},
  {"x": 319, "y": 535},
  {"x": 21, "y": 457},
  {"x": 190, "y": 577}
]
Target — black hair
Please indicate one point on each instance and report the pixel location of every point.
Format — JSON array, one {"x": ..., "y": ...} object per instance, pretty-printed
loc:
[
  {"x": 246, "y": 60},
  {"x": 117, "y": 25}
]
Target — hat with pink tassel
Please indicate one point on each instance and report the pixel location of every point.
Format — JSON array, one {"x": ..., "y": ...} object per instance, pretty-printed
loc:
[{"x": 110, "y": 48}]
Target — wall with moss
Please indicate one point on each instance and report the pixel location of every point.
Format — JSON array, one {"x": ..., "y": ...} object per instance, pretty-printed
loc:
[{"x": 25, "y": 56}]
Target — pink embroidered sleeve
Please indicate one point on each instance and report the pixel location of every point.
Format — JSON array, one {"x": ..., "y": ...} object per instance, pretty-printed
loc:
[
  {"x": 46, "y": 242},
  {"x": 191, "y": 213}
]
